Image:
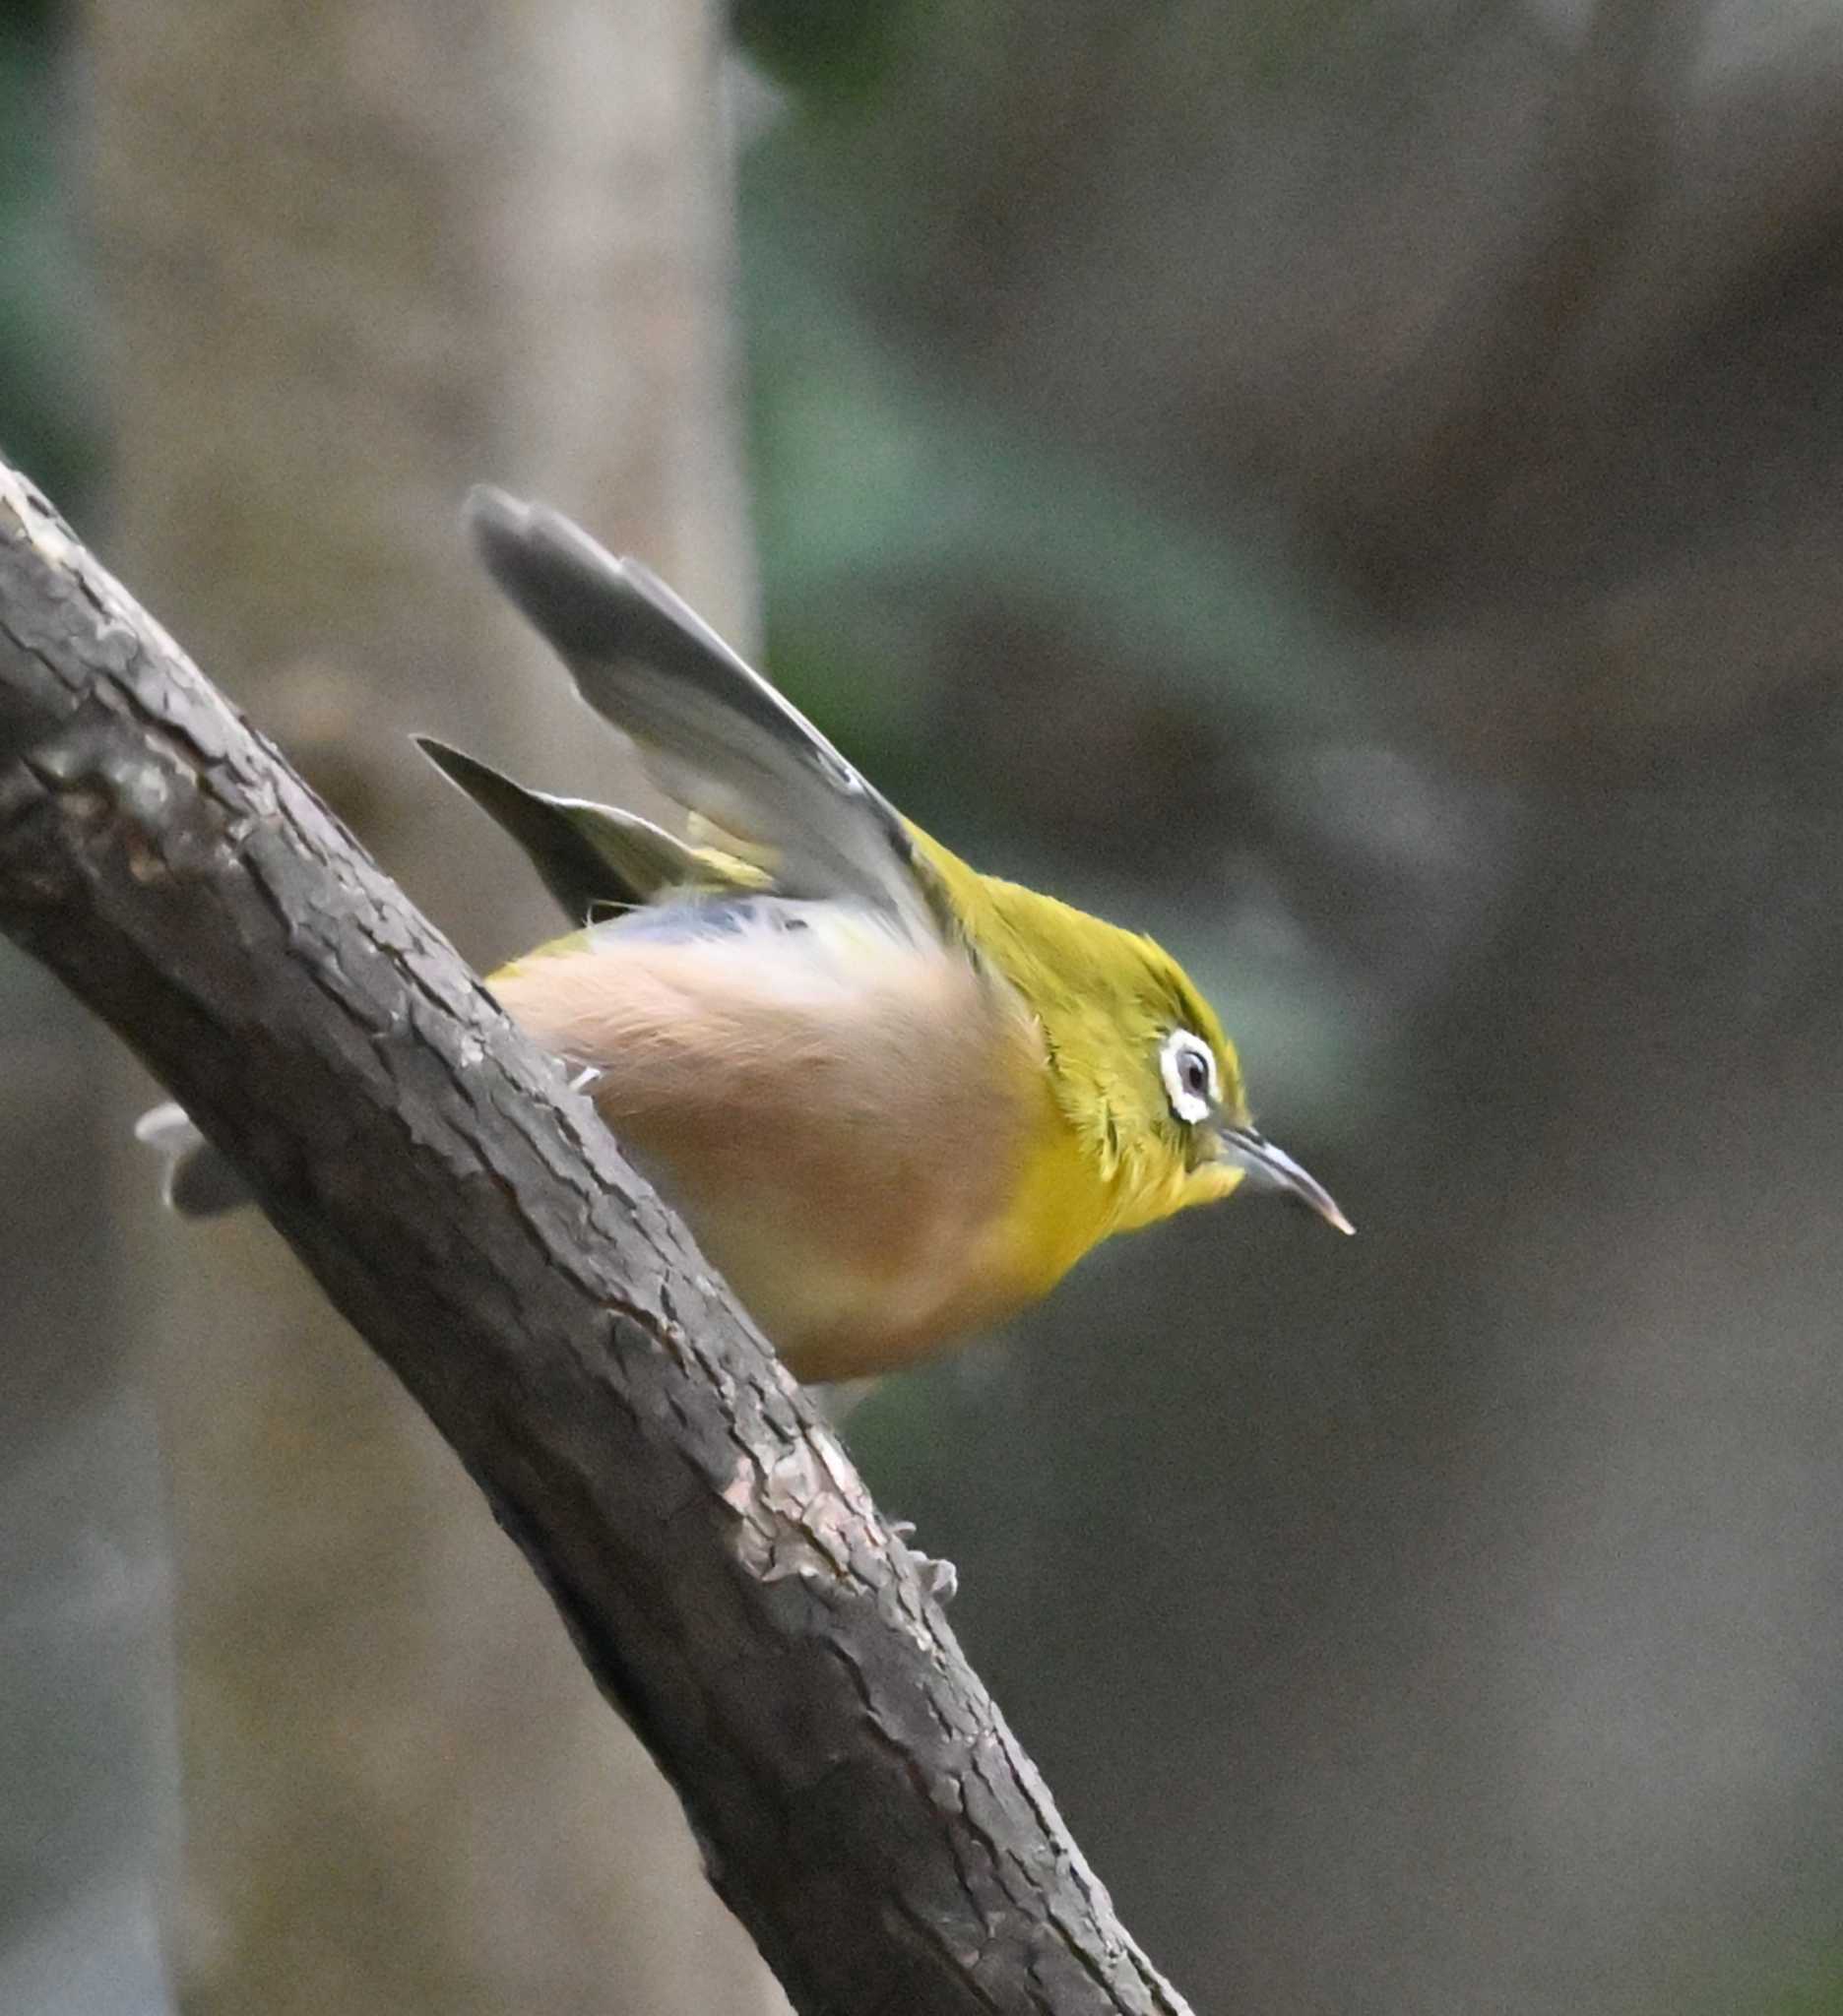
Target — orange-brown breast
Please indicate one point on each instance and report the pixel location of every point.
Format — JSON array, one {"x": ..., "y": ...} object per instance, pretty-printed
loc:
[{"x": 841, "y": 1116}]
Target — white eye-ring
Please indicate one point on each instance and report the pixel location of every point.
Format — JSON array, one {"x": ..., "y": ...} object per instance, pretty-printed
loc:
[{"x": 1187, "y": 1065}]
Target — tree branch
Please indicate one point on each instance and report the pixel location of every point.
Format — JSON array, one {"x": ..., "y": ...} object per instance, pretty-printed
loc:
[{"x": 862, "y": 1804}]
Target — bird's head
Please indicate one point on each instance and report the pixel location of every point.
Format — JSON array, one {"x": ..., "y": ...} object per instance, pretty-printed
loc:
[
  {"x": 1139, "y": 1063},
  {"x": 1177, "y": 1074}
]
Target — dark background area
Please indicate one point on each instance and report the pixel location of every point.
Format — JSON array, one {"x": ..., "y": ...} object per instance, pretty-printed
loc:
[{"x": 1355, "y": 488}]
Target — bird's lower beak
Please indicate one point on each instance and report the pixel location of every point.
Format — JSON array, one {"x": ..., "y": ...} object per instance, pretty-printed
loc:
[{"x": 1276, "y": 1170}]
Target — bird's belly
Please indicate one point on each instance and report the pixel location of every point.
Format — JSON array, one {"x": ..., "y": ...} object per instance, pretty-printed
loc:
[
  {"x": 913, "y": 1261},
  {"x": 850, "y": 1296},
  {"x": 849, "y": 1129}
]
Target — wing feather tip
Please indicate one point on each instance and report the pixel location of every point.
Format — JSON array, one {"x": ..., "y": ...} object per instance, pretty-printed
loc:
[
  {"x": 486, "y": 511},
  {"x": 569, "y": 587},
  {"x": 437, "y": 747}
]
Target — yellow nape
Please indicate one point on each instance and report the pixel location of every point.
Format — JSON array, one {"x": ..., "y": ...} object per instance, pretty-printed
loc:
[{"x": 1104, "y": 1155}]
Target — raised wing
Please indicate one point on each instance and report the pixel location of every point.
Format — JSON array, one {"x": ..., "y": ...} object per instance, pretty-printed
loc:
[{"x": 712, "y": 734}]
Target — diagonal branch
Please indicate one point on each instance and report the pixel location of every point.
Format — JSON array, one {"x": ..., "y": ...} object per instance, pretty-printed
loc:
[{"x": 862, "y": 1804}]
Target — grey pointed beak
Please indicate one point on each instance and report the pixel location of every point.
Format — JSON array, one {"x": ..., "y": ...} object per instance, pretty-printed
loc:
[{"x": 1274, "y": 1169}]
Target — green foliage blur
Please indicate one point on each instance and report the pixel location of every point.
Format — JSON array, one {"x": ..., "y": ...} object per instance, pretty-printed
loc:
[
  {"x": 48, "y": 422},
  {"x": 920, "y": 540}
]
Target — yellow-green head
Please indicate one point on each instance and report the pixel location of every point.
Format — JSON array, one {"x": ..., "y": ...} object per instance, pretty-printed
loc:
[{"x": 1146, "y": 1112}]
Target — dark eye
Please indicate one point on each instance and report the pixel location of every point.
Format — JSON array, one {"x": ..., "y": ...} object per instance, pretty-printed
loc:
[{"x": 1188, "y": 1069}]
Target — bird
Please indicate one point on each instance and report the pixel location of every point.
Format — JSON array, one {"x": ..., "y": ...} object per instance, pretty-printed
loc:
[{"x": 895, "y": 1098}]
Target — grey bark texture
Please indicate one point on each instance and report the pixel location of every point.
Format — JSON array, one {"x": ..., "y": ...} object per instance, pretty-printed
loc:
[{"x": 862, "y": 1804}]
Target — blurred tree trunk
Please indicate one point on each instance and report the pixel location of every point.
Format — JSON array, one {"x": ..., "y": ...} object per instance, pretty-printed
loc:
[
  {"x": 88, "y": 1795},
  {"x": 85, "y": 1753},
  {"x": 357, "y": 256}
]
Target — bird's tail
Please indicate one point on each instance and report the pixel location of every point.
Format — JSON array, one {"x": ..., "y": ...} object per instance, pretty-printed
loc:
[{"x": 197, "y": 1182}]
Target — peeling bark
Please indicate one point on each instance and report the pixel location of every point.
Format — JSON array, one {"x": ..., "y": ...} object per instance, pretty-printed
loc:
[{"x": 862, "y": 1804}]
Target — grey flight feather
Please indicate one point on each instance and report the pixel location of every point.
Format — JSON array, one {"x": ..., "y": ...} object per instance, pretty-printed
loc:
[
  {"x": 710, "y": 732},
  {"x": 592, "y": 858}
]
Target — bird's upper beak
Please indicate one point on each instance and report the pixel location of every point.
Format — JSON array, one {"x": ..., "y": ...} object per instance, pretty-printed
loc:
[{"x": 1274, "y": 1167}]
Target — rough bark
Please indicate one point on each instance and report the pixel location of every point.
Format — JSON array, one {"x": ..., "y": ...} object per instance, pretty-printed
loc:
[{"x": 862, "y": 1804}]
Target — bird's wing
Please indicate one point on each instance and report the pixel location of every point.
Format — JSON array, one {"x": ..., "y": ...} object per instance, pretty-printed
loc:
[
  {"x": 593, "y": 859},
  {"x": 712, "y": 734}
]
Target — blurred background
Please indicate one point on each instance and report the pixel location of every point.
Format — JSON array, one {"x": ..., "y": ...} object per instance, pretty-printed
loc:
[{"x": 1355, "y": 486}]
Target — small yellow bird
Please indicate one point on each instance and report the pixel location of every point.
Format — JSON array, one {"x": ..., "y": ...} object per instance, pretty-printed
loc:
[{"x": 895, "y": 1098}]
